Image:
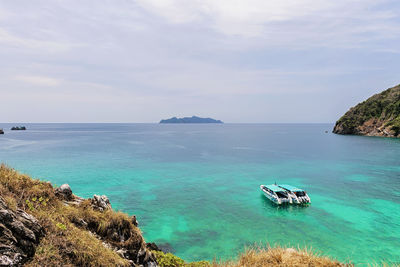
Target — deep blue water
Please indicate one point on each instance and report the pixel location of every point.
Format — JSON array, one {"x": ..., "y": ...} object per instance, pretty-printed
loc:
[{"x": 195, "y": 187}]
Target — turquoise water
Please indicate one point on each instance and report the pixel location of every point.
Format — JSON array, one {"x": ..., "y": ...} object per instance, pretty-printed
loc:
[{"x": 195, "y": 188}]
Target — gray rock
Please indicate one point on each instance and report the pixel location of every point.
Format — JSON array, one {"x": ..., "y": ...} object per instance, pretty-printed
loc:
[
  {"x": 134, "y": 220},
  {"x": 151, "y": 264},
  {"x": 100, "y": 203},
  {"x": 19, "y": 235},
  {"x": 122, "y": 252},
  {"x": 145, "y": 258},
  {"x": 64, "y": 192},
  {"x": 152, "y": 246}
]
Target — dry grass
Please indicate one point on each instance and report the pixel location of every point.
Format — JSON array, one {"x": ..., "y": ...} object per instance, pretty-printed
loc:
[
  {"x": 280, "y": 256},
  {"x": 66, "y": 244},
  {"x": 259, "y": 257}
]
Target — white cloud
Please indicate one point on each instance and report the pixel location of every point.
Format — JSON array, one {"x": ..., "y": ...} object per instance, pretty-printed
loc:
[
  {"x": 38, "y": 80},
  {"x": 275, "y": 18},
  {"x": 148, "y": 58},
  {"x": 11, "y": 40}
]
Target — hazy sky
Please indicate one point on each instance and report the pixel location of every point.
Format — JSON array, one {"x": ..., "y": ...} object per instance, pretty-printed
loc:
[{"x": 238, "y": 61}]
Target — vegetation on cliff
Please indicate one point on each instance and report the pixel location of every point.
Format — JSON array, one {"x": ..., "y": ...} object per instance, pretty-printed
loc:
[
  {"x": 379, "y": 115},
  {"x": 75, "y": 233},
  {"x": 45, "y": 226}
]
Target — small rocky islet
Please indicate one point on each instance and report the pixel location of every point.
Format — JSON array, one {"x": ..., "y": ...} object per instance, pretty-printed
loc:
[
  {"x": 379, "y": 115},
  {"x": 14, "y": 128},
  {"x": 18, "y": 128}
]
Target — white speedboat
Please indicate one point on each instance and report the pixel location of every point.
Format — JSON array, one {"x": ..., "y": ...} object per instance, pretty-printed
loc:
[
  {"x": 276, "y": 194},
  {"x": 298, "y": 196}
]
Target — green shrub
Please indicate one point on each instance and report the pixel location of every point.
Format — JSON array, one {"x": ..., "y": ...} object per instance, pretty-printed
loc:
[{"x": 168, "y": 259}]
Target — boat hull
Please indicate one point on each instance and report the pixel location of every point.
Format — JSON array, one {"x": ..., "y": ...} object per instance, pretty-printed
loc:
[{"x": 274, "y": 199}]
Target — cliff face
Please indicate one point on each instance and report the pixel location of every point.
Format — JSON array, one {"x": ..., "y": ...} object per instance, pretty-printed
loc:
[
  {"x": 19, "y": 235},
  {"x": 379, "y": 115}
]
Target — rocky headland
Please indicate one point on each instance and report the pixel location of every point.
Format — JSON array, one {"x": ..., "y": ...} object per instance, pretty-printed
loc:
[
  {"x": 45, "y": 226},
  {"x": 379, "y": 115}
]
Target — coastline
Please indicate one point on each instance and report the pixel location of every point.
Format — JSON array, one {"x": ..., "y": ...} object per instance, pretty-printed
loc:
[{"x": 60, "y": 218}]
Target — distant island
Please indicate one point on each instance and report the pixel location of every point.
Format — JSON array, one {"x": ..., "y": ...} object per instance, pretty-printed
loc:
[
  {"x": 192, "y": 119},
  {"x": 379, "y": 115}
]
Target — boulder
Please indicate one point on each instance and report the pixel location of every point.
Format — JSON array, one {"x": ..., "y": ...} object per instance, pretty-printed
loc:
[
  {"x": 100, "y": 203},
  {"x": 64, "y": 192},
  {"x": 19, "y": 235},
  {"x": 145, "y": 258},
  {"x": 152, "y": 246},
  {"x": 134, "y": 220}
]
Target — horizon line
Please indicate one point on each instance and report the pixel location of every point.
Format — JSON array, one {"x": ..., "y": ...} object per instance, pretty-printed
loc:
[{"x": 165, "y": 123}]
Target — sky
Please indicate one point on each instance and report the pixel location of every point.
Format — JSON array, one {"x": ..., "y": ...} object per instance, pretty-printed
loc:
[{"x": 257, "y": 61}]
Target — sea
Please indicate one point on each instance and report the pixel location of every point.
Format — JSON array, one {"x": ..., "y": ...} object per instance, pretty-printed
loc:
[{"x": 194, "y": 188}]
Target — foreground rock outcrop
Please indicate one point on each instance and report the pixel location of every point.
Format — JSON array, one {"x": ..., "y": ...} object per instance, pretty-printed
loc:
[
  {"x": 64, "y": 192},
  {"x": 119, "y": 233},
  {"x": 100, "y": 203},
  {"x": 45, "y": 226},
  {"x": 19, "y": 235},
  {"x": 379, "y": 115}
]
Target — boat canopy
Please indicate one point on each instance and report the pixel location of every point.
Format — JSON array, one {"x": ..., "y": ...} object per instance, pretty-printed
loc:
[
  {"x": 291, "y": 188},
  {"x": 274, "y": 188}
]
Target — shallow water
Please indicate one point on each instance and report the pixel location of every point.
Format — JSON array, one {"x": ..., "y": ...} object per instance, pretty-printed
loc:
[{"x": 195, "y": 187}]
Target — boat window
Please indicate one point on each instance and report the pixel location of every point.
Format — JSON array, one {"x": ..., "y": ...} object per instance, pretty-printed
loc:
[
  {"x": 267, "y": 189},
  {"x": 300, "y": 193},
  {"x": 281, "y": 194}
]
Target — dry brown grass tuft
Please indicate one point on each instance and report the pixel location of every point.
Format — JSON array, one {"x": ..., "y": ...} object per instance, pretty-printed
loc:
[
  {"x": 279, "y": 256},
  {"x": 110, "y": 225},
  {"x": 21, "y": 188}
]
